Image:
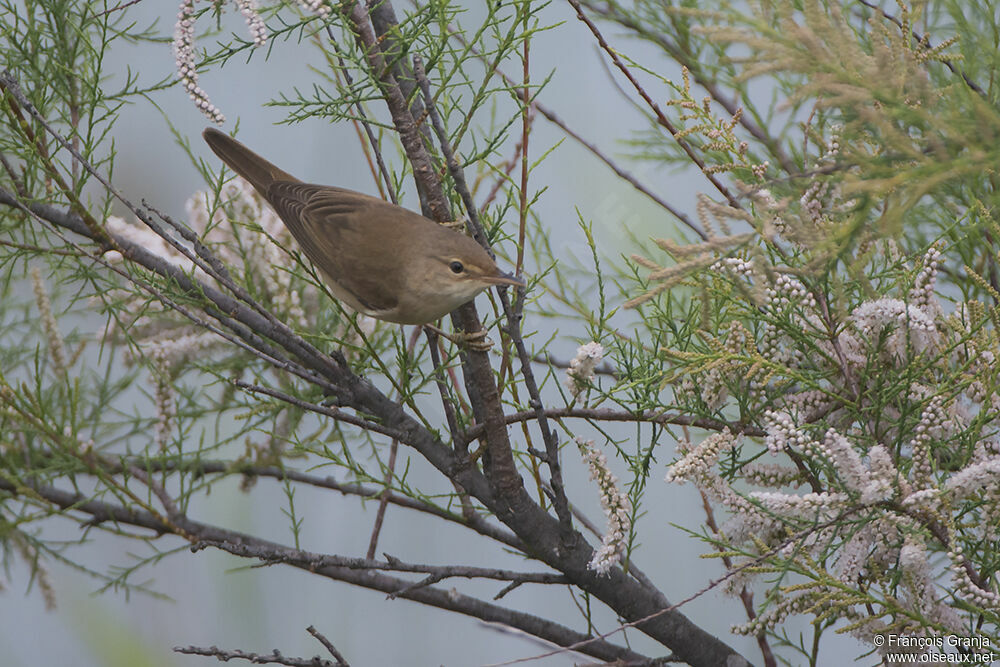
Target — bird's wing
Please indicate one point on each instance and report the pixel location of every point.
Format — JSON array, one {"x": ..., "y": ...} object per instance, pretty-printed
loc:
[{"x": 330, "y": 225}]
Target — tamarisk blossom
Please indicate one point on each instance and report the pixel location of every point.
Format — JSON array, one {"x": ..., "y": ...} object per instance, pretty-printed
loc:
[
  {"x": 580, "y": 374},
  {"x": 56, "y": 345},
  {"x": 617, "y": 507},
  {"x": 184, "y": 60},
  {"x": 184, "y": 46}
]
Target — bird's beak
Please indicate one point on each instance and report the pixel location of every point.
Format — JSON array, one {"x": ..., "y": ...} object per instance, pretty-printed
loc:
[{"x": 504, "y": 279}]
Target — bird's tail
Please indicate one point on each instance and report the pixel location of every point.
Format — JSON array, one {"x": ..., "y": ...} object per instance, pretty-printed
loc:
[{"x": 244, "y": 161}]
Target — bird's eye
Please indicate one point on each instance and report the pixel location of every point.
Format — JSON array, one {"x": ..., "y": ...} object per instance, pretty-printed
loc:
[{"x": 456, "y": 267}]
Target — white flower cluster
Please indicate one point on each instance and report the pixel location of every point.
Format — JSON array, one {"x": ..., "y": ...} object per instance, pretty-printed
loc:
[
  {"x": 868, "y": 484},
  {"x": 737, "y": 265},
  {"x": 919, "y": 585},
  {"x": 581, "y": 371},
  {"x": 255, "y": 25},
  {"x": 771, "y": 475},
  {"x": 807, "y": 506},
  {"x": 700, "y": 460},
  {"x": 184, "y": 46},
  {"x": 922, "y": 294},
  {"x": 973, "y": 478},
  {"x": 174, "y": 341},
  {"x": 929, "y": 428},
  {"x": 812, "y": 200},
  {"x": 900, "y": 327},
  {"x": 184, "y": 61},
  {"x": 177, "y": 350},
  {"x": 872, "y": 550},
  {"x": 778, "y": 612},
  {"x": 883, "y": 476},
  {"x": 617, "y": 507},
  {"x": 782, "y": 433},
  {"x": 166, "y": 403},
  {"x": 821, "y": 195},
  {"x": 55, "y": 345},
  {"x": 318, "y": 7},
  {"x": 787, "y": 290},
  {"x": 966, "y": 588}
]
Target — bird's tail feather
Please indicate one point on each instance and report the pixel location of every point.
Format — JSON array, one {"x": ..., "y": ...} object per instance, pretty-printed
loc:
[{"x": 244, "y": 161}]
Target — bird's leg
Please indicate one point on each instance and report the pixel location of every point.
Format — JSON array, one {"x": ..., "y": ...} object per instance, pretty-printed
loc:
[
  {"x": 457, "y": 225},
  {"x": 476, "y": 341}
]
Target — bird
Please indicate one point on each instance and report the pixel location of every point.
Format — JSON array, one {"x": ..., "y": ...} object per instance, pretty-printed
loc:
[{"x": 378, "y": 258}]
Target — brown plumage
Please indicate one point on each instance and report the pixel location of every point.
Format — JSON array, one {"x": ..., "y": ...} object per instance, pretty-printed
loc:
[{"x": 380, "y": 259}]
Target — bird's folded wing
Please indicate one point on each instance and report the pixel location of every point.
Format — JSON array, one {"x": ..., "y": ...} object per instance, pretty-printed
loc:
[{"x": 332, "y": 226}]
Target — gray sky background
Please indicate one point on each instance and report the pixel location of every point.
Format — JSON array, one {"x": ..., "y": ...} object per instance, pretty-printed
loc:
[{"x": 215, "y": 599}]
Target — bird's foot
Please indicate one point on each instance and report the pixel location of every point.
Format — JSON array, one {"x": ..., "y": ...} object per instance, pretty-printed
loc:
[
  {"x": 477, "y": 341},
  {"x": 458, "y": 225}
]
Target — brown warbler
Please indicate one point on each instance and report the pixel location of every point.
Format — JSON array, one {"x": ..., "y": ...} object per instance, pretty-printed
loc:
[{"x": 380, "y": 259}]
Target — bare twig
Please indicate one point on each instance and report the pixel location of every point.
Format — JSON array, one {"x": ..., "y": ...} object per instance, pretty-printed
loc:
[
  {"x": 553, "y": 118},
  {"x": 688, "y": 59},
  {"x": 328, "y": 645},
  {"x": 198, "y": 532},
  {"x": 607, "y": 414},
  {"x": 472, "y": 520},
  {"x": 274, "y": 658},
  {"x": 661, "y": 118},
  {"x": 333, "y": 413},
  {"x": 383, "y": 501},
  {"x": 272, "y": 554}
]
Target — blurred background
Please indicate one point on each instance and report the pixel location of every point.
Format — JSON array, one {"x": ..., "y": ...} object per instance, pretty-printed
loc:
[{"x": 209, "y": 598}]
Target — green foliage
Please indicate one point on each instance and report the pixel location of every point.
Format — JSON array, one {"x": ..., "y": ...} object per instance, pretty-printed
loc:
[{"x": 825, "y": 354}]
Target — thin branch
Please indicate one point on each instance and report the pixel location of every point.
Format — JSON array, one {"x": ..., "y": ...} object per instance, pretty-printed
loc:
[
  {"x": 383, "y": 502},
  {"x": 273, "y": 554},
  {"x": 362, "y": 118},
  {"x": 472, "y": 520},
  {"x": 553, "y": 118},
  {"x": 513, "y": 318},
  {"x": 661, "y": 118},
  {"x": 454, "y": 168},
  {"x": 439, "y": 380},
  {"x": 746, "y": 595},
  {"x": 607, "y": 414},
  {"x": 275, "y": 658},
  {"x": 626, "y": 176},
  {"x": 333, "y": 413},
  {"x": 687, "y": 58},
  {"x": 328, "y": 645},
  {"x": 120, "y": 6},
  {"x": 198, "y": 532}
]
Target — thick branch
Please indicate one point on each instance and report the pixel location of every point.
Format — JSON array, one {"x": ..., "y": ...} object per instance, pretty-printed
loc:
[
  {"x": 564, "y": 550},
  {"x": 198, "y": 532}
]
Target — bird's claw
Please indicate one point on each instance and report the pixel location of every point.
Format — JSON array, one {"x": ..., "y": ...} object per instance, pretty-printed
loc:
[{"x": 477, "y": 341}]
